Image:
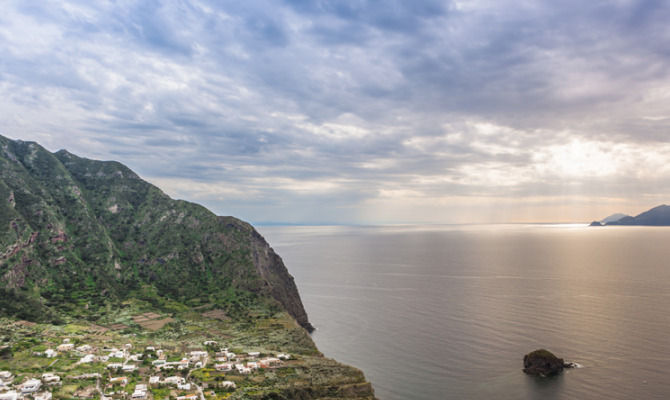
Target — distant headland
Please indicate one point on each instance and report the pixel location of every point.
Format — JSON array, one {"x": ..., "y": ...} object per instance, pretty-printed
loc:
[{"x": 657, "y": 216}]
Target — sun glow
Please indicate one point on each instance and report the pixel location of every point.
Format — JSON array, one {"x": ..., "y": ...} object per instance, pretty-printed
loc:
[{"x": 578, "y": 159}]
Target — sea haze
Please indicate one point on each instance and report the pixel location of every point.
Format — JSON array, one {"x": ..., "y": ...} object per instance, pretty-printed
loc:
[{"x": 448, "y": 312}]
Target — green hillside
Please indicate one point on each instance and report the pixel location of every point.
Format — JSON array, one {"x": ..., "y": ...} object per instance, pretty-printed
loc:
[{"x": 79, "y": 236}]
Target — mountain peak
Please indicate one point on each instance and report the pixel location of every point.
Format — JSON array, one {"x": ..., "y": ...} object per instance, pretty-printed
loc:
[
  {"x": 613, "y": 218},
  {"x": 657, "y": 216}
]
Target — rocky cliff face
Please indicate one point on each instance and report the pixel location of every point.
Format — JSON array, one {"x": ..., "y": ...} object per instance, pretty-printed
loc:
[
  {"x": 274, "y": 274},
  {"x": 77, "y": 234},
  {"x": 282, "y": 287}
]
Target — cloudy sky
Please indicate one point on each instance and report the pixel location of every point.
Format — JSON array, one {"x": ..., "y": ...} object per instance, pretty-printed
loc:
[{"x": 353, "y": 111}]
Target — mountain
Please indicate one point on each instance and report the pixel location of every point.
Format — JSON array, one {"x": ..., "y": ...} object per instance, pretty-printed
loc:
[
  {"x": 78, "y": 236},
  {"x": 613, "y": 218},
  {"x": 657, "y": 216}
]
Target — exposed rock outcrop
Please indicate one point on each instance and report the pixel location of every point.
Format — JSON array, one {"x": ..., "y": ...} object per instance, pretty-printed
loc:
[
  {"x": 277, "y": 280},
  {"x": 543, "y": 363}
]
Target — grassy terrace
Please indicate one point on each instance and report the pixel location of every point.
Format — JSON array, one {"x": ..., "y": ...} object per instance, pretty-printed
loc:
[{"x": 307, "y": 374}]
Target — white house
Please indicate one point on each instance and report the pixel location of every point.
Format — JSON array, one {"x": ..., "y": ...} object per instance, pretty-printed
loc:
[
  {"x": 117, "y": 354},
  {"x": 31, "y": 386},
  {"x": 42, "y": 396},
  {"x": 242, "y": 369},
  {"x": 270, "y": 362},
  {"x": 254, "y": 354},
  {"x": 198, "y": 354},
  {"x": 174, "y": 380},
  {"x": 114, "y": 365},
  {"x": 50, "y": 353},
  {"x": 154, "y": 380},
  {"x": 224, "y": 367},
  {"x": 65, "y": 347},
  {"x": 283, "y": 356},
  {"x": 184, "y": 386},
  {"x": 50, "y": 379},
  {"x": 210, "y": 343},
  {"x": 88, "y": 358},
  {"x": 121, "y": 380},
  {"x": 129, "y": 367},
  {"x": 6, "y": 375},
  {"x": 85, "y": 348},
  {"x": 9, "y": 395},
  {"x": 94, "y": 375},
  {"x": 139, "y": 394},
  {"x": 228, "y": 385}
]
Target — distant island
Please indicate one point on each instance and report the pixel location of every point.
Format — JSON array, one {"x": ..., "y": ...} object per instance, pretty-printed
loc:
[{"x": 657, "y": 216}]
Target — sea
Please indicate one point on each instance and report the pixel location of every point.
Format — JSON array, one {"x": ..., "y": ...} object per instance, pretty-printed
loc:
[{"x": 448, "y": 312}]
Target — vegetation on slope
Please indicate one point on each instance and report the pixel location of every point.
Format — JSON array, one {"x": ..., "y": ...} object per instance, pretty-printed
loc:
[
  {"x": 306, "y": 375},
  {"x": 79, "y": 236}
]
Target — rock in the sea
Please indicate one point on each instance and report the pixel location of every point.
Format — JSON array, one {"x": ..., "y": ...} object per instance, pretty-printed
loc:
[
  {"x": 542, "y": 363},
  {"x": 596, "y": 223}
]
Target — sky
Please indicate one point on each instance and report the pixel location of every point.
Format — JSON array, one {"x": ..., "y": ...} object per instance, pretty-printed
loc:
[{"x": 353, "y": 111}]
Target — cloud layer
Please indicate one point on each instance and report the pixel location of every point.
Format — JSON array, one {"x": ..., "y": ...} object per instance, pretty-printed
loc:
[{"x": 354, "y": 111}]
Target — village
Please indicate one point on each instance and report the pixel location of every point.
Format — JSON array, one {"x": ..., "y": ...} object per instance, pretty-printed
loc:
[
  {"x": 134, "y": 354},
  {"x": 126, "y": 372}
]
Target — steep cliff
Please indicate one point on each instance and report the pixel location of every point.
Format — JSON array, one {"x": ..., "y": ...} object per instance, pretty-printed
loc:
[
  {"x": 78, "y": 234},
  {"x": 275, "y": 275}
]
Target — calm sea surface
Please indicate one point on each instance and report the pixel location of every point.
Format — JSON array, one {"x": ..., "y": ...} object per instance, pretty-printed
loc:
[{"x": 448, "y": 312}]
